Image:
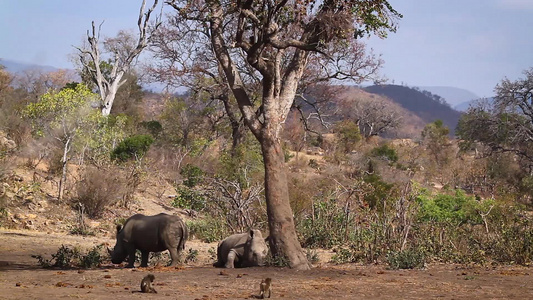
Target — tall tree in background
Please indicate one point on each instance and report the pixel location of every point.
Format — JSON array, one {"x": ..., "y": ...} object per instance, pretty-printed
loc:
[
  {"x": 505, "y": 125},
  {"x": 61, "y": 115},
  {"x": 277, "y": 39},
  {"x": 184, "y": 58},
  {"x": 373, "y": 116},
  {"x": 123, "y": 50}
]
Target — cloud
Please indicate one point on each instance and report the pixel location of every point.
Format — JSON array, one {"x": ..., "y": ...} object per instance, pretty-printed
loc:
[{"x": 515, "y": 4}]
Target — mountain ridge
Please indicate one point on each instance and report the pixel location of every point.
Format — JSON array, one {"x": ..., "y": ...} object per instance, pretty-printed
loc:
[{"x": 429, "y": 107}]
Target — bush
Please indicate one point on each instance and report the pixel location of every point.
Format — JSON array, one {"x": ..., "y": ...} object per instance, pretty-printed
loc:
[
  {"x": 93, "y": 258},
  {"x": 378, "y": 192},
  {"x": 208, "y": 229},
  {"x": 99, "y": 189},
  {"x": 132, "y": 147},
  {"x": 62, "y": 259},
  {"x": 326, "y": 228},
  {"x": 153, "y": 127},
  {"x": 277, "y": 261},
  {"x": 385, "y": 152},
  {"x": 192, "y": 256},
  {"x": 193, "y": 175},
  {"x": 407, "y": 259},
  {"x": 312, "y": 256},
  {"x": 454, "y": 209},
  {"x": 188, "y": 198},
  {"x": 514, "y": 243},
  {"x": 348, "y": 255},
  {"x": 349, "y": 135},
  {"x": 66, "y": 257}
]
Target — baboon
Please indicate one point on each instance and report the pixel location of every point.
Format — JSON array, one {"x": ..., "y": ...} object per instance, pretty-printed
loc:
[
  {"x": 264, "y": 287},
  {"x": 146, "y": 284}
]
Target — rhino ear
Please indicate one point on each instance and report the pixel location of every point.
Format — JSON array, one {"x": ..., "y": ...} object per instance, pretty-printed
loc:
[
  {"x": 119, "y": 227},
  {"x": 251, "y": 233}
]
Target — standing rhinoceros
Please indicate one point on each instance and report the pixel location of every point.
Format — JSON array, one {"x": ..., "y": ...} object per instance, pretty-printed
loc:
[
  {"x": 149, "y": 234},
  {"x": 242, "y": 250}
]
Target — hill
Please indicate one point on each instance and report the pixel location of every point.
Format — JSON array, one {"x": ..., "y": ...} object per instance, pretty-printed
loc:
[
  {"x": 453, "y": 96},
  {"x": 411, "y": 124},
  {"x": 424, "y": 104},
  {"x": 16, "y": 67}
]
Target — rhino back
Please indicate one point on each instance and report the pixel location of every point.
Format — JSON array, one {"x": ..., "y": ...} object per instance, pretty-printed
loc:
[
  {"x": 153, "y": 233},
  {"x": 233, "y": 242}
]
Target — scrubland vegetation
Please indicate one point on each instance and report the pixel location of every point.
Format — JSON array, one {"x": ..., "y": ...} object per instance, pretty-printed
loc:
[
  {"x": 404, "y": 202},
  {"x": 264, "y": 135}
]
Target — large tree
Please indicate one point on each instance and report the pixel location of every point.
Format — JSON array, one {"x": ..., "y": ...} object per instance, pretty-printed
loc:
[
  {"x": 122, "y": 51},
  {"x": 277, "y": 39},
  {"x": 374, "y": 116},
  {"x": 505, "y": 124},
  {"x": 61, "y": 115}
]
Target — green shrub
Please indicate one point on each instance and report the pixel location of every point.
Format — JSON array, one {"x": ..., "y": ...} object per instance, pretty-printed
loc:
[
  {"x": 407, "y": 259},
  {"x": 277, "y": 261},
  {"x": 93, "y": 258},
  {"x": 313, "y": 164},
  {"x": 454, "y": 209},
  {"x": 385, "y": 152},
  {"x": 326, "y": 228},
  {"x": 193, "y": 175},
  {"x": 78, "y": 230},
  {"x": 514, "y": 244},
  {"x": 208, "y": 229},
  {"x": 62, "y": 259},
  {"x": 348, "y": 255},
  {"x": 132, "y": 147},
  {"x": 287, "y": 155},
  {"x": 378, "y": 192},
  {"x": 67, "y": 257},
  {"x": 188, "y": 198},
  {"x": 192, "y": 256},
  {"x": 153, "y": 127},
  {"x": 160, "y": 258},
  {"x": 349, "y": 135}
]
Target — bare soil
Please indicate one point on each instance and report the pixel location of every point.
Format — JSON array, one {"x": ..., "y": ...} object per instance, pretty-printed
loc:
[{"x": 21, "y": 277}]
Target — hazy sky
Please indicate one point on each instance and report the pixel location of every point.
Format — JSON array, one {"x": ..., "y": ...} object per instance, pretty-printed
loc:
[{"x": 470, "y": 44}]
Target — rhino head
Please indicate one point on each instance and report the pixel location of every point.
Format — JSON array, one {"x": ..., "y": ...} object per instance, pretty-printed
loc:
[
  {"x": 255, "y": 249},
  {"x": 118, "y": 253}
]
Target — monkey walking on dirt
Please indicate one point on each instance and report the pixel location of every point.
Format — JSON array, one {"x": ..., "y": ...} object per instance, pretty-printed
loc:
[
  {"x": 264, "y": 287},
  {"x": 146, "y": 284}
]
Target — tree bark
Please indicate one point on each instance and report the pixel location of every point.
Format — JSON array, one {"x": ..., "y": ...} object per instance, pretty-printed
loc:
[
  {"x": 283, "y": 239},
  {"x": 64, "y": 161}
]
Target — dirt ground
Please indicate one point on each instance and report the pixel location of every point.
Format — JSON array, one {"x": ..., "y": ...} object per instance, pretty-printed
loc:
[{"x": 22, "y": 278}]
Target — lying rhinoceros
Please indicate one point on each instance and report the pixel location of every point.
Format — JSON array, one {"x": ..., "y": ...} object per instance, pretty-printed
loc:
[
  {"x": 242, "y": 250},
  {"x": 149, "y": 234}
]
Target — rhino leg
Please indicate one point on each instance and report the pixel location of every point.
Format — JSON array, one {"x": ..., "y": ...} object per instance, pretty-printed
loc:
[
  {"x": 144, "y": 259},
  {"x": 131, "y": 257},
  {"x": 174, "y": 256},
  {"x": 230, "y": 263}
]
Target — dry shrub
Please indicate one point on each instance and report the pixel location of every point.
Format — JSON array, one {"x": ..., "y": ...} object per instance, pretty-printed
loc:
[
  {"x": 99, "y": 189},
  {"x": 166, "y": 160}
]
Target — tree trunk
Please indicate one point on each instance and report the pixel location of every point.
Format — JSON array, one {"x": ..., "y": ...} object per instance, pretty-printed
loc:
[
  {"x": 111, "y": 94},
  {"x": 64, "y": 161},
  {"x": 283, "y": 239}
]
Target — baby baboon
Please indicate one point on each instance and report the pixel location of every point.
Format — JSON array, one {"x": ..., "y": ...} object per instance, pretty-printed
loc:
[
  {"x": 264, "y": 287},
  {"x": 146, "y": 284}
]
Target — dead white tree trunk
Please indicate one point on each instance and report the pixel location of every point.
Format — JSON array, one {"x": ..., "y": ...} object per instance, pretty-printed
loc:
[{"x": 123, "y": 55}]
